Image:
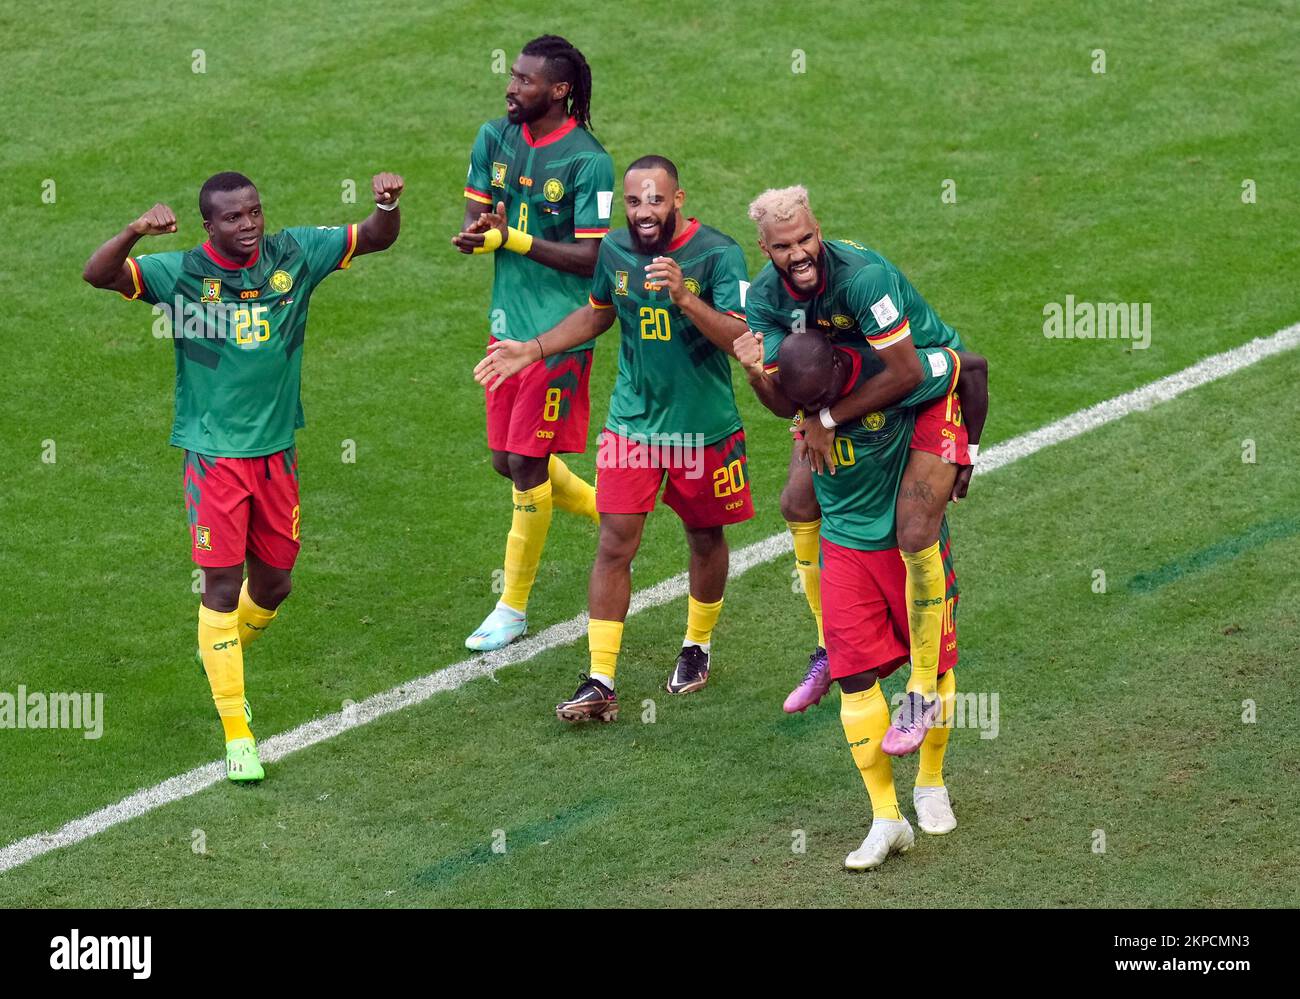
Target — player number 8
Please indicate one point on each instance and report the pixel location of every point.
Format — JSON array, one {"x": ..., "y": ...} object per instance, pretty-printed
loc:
[{"x": 551, "y": 411}]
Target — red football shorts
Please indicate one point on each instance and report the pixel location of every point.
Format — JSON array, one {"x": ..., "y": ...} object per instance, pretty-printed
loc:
[
  {"x": 864, "y": 610},
  {"x": 940, "y": 430},
  {"x": 708, "y": 486},
  {"x": 543, "y": 409},
  {"x": 240, "y": 505}
]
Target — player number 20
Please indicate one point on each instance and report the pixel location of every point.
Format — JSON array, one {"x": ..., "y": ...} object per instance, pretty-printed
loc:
[
  {"x": 730, "y": 479},
  {"x": 655, "y": 324},
  {"x": 251, "y": 325}
]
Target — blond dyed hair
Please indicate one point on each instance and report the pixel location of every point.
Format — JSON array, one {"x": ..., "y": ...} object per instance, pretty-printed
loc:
[{"x": 779, "y": 204}]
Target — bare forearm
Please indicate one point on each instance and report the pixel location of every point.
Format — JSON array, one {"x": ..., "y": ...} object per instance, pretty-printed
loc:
[
  {"x": 572, "y": 258},
  {"x": 576, "y": 328},
  {"x": 874, "y": 394},
  {"x": 379, "y": 231},
  {"x": 770, "y": 395},
  {"x": 973, "y": 390},
  {"x": 105, "y": 264},
  {"x": 719, "y": 328},
  {"x": 473, "y": 209}
]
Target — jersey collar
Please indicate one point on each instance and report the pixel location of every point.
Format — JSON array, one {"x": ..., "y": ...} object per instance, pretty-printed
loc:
[
  {"x": 230, "y": 265},
  {"x": 555, "y": 136},
  {"x": 855, "y": 369},
  {"x": 684, "y": 237}
]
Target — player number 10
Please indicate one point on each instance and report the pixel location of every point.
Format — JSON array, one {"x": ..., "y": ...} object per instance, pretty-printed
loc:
[
  {"x": 251, "y": 325},
  {"x": 844, "y": 451},
  {"x": 655, "y": 324}
]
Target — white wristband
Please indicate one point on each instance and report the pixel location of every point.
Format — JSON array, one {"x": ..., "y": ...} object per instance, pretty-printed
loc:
[
  {"x": 386, "y": 208},
  {"x": 825, "y": 415},
  {"x": 973, "y": 450}
]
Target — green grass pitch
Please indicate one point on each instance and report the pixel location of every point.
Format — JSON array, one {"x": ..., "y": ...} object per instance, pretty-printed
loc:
[{"x": 1120, "y": 712}]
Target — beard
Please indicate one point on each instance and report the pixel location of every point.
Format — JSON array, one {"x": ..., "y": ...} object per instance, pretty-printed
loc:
[
  {"x": 819, "y": 267},
  {"x": 653, "y": 248},
  {"x": 524, "y": 114}
]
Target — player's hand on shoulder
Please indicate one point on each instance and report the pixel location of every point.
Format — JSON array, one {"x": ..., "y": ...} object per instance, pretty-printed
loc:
[
  {"x": 748, "y": 348},
  {"x": 387, "y": 187},
  {"x": 504, "y": 358},
  {"x": 158, "y": 220}
]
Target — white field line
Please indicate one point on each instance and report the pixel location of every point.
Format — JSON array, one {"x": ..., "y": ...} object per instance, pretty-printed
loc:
[{"x": 419, "y": 690}]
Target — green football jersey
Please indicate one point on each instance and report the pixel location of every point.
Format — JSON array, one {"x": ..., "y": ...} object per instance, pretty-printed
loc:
[
  {"x": 559, "y": 188},
  {"x": 858, "y": 502},
  {"x": 238, "y": 333},
  {"x": 671, "y": 378},
  {"x": 862, "y": 299}
]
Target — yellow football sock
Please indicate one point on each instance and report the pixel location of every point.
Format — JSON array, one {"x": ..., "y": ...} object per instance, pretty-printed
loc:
[
  {"x": 528, "y": 530},
  {"x": 865, "y": 717},
  {"x": 807, "y": 560},
  {"x": 929, "y": 771},
  {"x": 700, "y": 619},
  {"x": 572, "y": 493},
  {"x": 223, "y": 661},
  {"x": 253, "y": 620},
  {"x": 925, "y": 595},
  {"x": 604, "y": 639}
]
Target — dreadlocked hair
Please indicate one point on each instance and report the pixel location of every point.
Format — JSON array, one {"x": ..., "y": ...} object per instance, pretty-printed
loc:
[{"x": 565, "y": 64}]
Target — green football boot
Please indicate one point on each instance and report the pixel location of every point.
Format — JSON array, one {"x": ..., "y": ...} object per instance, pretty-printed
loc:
[{"x": 243, "y": 766}]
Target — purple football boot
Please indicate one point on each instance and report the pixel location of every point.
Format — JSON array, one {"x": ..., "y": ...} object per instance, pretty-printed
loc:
[
  {"x": 915, "y": 718},
  {"x": 814, "y": 685}
]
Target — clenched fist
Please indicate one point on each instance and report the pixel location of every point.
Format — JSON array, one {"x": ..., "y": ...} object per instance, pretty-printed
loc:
[
  {"x": 387, "y": 187},
  {"x": 748, "y": 348},
  {"x": 156, "y": 221}
]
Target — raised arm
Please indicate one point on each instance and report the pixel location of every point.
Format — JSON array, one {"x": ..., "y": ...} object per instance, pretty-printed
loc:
[
  {"x": 107, "y": 267},
  {"x": 379, "y": 231}
]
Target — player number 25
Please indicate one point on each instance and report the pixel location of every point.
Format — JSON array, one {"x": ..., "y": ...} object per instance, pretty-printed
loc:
[
  {"x": 655, "y": 324},
  {"x": 251, "y": 324},
  {"x": 730, "y": 479}
]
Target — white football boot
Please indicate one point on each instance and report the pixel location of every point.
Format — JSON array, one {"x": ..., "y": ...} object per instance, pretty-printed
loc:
[
  {"x": 886, "y": 836},
  {"x": 933, "y": 810}
]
